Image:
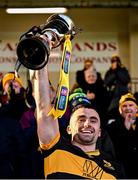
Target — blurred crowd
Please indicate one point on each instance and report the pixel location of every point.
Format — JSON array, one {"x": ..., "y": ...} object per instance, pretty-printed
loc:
[
  {"x": 111, "y": 96},
  {"x": 20, "y": 156}
]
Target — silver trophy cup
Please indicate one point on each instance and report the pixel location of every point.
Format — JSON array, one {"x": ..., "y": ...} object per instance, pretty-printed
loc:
[{"x": 34, "y": 47}]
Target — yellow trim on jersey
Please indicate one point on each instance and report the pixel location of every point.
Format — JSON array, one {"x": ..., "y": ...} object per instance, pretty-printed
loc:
[
  {"x": 61, "y": 161},
  {"x": 51, "y": 144},
  {"x": 93, "y": 153}
]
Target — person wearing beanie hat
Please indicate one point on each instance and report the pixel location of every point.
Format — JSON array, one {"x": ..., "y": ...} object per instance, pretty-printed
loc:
[
  {"x": 78, "y": 157},
  {"x": 124, "y": 132},
  {"x": 128, "y": 109},
  {"x": 127, "y": 97},
  {"x": 16, "y": 102},
  {"x": 11, "y": 78}
]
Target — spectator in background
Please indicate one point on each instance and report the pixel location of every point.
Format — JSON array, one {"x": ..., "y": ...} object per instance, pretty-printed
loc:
[
  {"x": 19, "y": 104},
  {"x": 14, "y": 92},
  {"x": 13, "y": 150},
  {"x": 80, "y": 79},
  {"x": 116, "y": 81},
  {"x": 93, "y": 87},
  {"x": 123, "y": 131},
  {"x": 80, "y": 74}
]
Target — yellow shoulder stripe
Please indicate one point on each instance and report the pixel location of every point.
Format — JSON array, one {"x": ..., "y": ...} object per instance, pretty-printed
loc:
[{"x": 51, "y": 144}]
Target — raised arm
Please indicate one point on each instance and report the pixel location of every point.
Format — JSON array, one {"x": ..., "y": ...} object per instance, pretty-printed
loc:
[{"x": 47, "y": 127}]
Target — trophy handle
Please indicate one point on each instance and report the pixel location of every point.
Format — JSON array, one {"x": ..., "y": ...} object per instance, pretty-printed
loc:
[{"x": 17, "y": 67}]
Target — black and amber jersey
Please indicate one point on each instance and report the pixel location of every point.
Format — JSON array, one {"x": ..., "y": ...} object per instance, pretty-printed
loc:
[{"x": 66, "y": 161}]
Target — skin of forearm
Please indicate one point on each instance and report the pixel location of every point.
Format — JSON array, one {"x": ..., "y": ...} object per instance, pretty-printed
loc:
[
  {"x": 42, "y": 91},
  {"x": 47, "y": 127}
]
